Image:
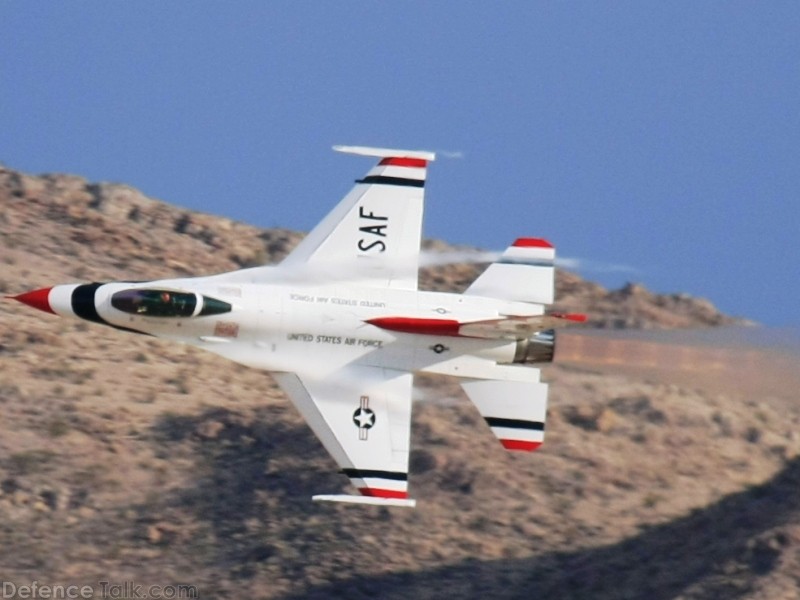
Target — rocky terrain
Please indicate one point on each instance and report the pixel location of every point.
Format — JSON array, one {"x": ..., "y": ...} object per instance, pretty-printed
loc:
[{"x": 123, "y": 458}]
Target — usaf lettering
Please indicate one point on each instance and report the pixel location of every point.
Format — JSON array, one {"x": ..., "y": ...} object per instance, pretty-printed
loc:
[{"x": 367, "y": 244}]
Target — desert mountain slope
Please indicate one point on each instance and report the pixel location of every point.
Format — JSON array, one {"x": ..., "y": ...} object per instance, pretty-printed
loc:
[{"x": 123, "y": 458}]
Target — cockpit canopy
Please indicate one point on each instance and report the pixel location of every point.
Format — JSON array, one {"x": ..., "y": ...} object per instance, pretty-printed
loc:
[{"x": 167, "y": 303}]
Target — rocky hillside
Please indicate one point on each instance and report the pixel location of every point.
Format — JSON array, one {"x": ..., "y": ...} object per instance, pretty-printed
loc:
[{"x": 123, "y": 458}]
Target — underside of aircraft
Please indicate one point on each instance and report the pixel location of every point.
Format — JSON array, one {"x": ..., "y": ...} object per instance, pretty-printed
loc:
[{"x": 343, "y": 328}]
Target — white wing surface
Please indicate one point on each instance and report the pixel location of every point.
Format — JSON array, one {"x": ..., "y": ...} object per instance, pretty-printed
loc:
[
  {"x": 363, "y": 418},
  {"x": 373, "y": 235}
]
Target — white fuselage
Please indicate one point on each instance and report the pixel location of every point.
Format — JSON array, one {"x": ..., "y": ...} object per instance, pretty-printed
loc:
[{"x": 315, "y": 330}]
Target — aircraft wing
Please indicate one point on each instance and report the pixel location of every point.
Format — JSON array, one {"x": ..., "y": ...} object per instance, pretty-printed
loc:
[
  {"x": 373, "y": 235},
  {"x": 363, "y": 418}
]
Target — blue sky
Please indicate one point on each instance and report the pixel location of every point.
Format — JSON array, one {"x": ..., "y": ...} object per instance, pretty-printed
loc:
[{"x": 659, "y": 136}]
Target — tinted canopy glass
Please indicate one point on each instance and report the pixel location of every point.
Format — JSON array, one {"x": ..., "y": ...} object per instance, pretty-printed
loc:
[
  {"x": 155, "y": 303},
  {"x": 212, "y": 306},
  {"x": 167, "y": 303}
]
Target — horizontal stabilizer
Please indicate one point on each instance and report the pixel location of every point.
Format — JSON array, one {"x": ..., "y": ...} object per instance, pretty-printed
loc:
[
  {"x": 515, "y": 410},
  {"x": 407, "y": 502},
  {"x": 525, "y": 272}
]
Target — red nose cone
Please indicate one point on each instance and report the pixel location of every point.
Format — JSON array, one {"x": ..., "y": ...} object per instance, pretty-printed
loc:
[{"x": 36, "y": 299}]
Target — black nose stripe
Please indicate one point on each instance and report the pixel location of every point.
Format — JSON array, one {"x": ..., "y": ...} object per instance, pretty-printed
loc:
[
  {"x": 84, "y": 307},
  {"x": 83, "y": 302}
]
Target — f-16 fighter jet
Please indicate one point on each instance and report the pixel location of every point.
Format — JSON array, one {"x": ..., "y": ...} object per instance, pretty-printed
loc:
[{"x": 342, "y": 327}]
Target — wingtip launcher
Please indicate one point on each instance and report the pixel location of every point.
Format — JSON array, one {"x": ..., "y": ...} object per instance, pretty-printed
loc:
[
  {"x": 374, "y": 500},
  {"x": 387, "y": 152}
]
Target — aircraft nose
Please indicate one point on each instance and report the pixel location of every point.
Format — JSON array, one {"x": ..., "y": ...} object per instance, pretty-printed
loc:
[{"x": 37, "y": 299}]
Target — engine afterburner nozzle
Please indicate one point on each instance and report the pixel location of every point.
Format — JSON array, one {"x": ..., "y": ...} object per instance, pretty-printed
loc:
[
  {"x": 37, "y": 299},
  {"x": 539, "y": 348}
]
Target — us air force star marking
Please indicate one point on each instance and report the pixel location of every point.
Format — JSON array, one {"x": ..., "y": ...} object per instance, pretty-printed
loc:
[{"x": 364, "y": 418}]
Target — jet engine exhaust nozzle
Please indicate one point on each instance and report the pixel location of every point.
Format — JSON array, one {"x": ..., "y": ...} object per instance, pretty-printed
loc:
[{"x": 539, "y": 348}]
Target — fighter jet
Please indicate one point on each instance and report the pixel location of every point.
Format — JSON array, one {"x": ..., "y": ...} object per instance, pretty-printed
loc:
[{"x": 342, "y": 327}]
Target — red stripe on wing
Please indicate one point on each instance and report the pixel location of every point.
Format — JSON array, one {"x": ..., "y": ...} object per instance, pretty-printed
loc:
[
  {"x": 403, "y": 162},
  {"x": 381, "y": 493},
  {"x": 524, "y": 446}
]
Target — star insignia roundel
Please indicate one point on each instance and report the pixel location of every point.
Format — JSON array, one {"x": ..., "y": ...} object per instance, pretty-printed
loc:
[{"x": 364, "y": 418}]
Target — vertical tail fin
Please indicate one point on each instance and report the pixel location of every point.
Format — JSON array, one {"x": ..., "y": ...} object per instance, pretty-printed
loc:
[{"x": 524, "y": 273}]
